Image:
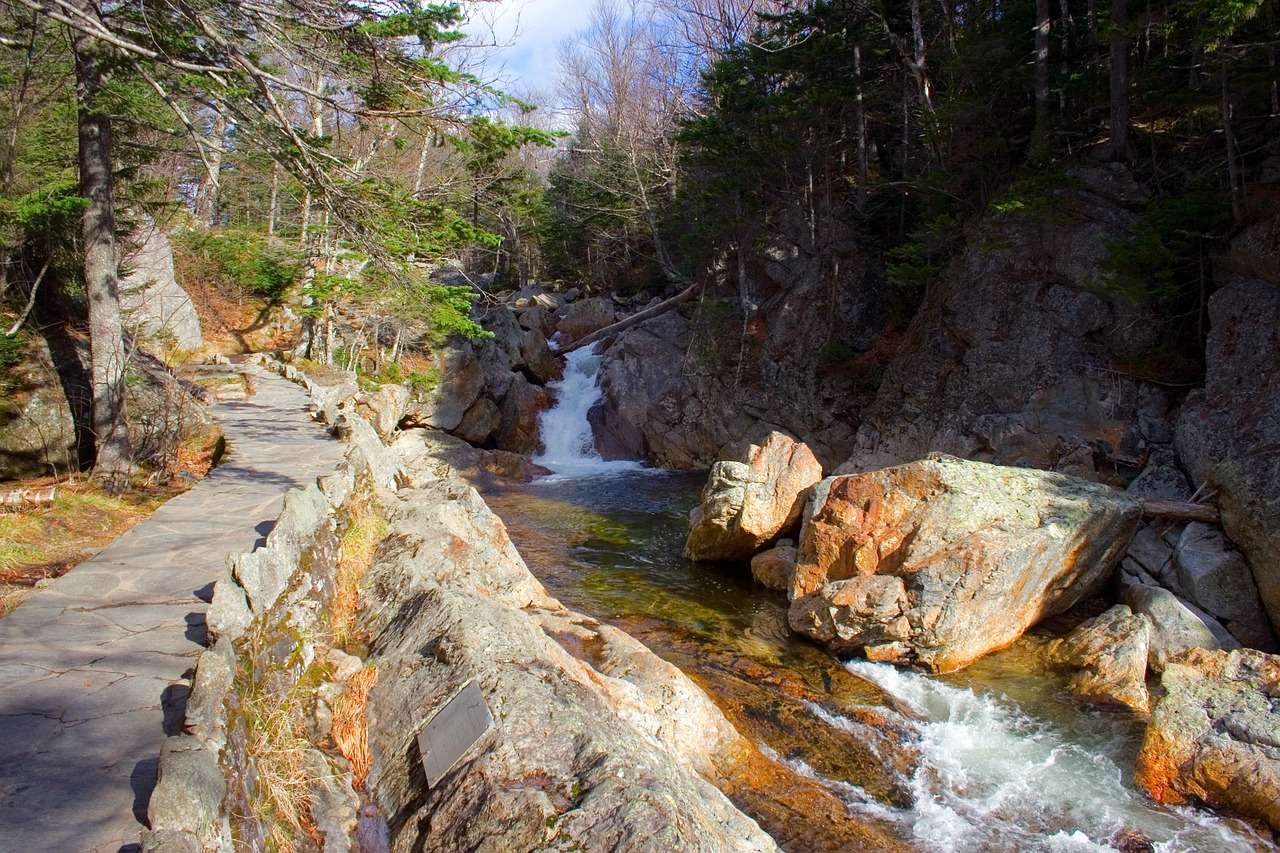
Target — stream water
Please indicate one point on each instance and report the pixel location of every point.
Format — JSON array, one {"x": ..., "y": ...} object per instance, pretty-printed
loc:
[{"x": 994, "y": 758}]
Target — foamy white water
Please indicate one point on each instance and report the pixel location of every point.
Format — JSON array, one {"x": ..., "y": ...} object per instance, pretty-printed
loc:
[
  {"x": 566, "y": 432},
  {"x": 993, "y": 779}
]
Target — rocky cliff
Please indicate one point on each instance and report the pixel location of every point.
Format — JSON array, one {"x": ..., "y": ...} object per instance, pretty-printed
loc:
[{"x": 791, "y": 352}]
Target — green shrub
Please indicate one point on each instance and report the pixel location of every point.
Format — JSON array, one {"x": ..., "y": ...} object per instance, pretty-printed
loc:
[
  {"x": 424, "y": 381},
  {"x": 243, "y": 259}
]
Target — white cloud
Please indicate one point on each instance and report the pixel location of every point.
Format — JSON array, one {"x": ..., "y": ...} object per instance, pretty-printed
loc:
[{"x": 526, "y": 35}]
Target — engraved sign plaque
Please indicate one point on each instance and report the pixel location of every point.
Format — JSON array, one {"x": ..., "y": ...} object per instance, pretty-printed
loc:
[{"x": 452, "y": 730}]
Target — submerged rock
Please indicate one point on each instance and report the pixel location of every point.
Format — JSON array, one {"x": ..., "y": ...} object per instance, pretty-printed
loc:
[
  {"x": 1109, "y": 654},
  {"x": 1215, "y": 737},
  {"x": 942, "y": 561},
  {"x": 747, "y": 504}
]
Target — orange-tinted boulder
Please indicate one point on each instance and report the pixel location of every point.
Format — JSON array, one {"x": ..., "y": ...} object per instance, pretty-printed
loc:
[
  {"x": 750, "y": 503},
  {"x": 983, "y": 552},
  {"x": 1215, "y": 736}
]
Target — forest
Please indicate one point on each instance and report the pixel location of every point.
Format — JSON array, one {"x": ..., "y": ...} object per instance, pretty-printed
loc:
[{"x": 335, "y": 150}]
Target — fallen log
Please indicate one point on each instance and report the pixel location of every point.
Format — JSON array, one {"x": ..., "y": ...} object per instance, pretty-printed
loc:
[
  {"x": 647, "y": 314},
  {"x": 28, "y": 497},
  {"x": 1180, "y": 510}
]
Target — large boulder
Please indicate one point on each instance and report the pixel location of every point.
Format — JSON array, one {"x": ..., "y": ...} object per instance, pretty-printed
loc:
[
  {"x": 1176, "y": 627},
  {"x": 521, "y": 409},
  {"x": 1010, "y": 358},
  {"x": 1227, "y": 433},
  {"x": 749, "y": 503},
  {"x": 460, "y": 381},
  {"x": 156, "y": 309},
  {"x": 596, "y": 743},
  {"x": 37, "y": 432},
  {"x": 943, "y": 560},
  {"x": 1109, "y": 656},
  {"x": 586, "y": 316},
  {"x": 1215, "y": 736},
  {"x": 1214, "y": 575}
]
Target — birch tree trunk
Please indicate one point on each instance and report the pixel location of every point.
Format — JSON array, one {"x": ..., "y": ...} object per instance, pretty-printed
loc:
[
  {"x": 1043, "y": 18},
  {"x": 207, "y": 197},
  {"x": 113, "y": 454}
]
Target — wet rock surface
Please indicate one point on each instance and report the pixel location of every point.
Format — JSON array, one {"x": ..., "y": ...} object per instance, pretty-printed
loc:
[
  {"x": 941, "y": 561},
  {"x": 1215, "y": 737},
  {"x": 749, "y": 503}
]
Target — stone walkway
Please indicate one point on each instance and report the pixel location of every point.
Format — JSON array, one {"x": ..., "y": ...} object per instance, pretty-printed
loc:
[{"x": 91, "y": 668}]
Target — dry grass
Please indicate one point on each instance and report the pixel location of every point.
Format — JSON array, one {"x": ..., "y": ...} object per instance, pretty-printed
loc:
[
  {"x": 278, "y": 747},
  {"x": 37, "y": 543},
  {"x": 366, "y": 528},
  {"x": 351, "y": 726}
]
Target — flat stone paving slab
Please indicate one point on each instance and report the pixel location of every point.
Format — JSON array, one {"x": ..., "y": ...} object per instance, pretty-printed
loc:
[{"x": 92, "y": 667}]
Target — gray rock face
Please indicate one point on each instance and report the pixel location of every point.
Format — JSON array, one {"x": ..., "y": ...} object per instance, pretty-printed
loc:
[
  {"x": 1175, "y": 627},
  {"x": 597, "y": 744},
  {"x": 189, "y": 794},
  {"x": 521, "y": 407},
  {"x": 37, "y": 434},
  {"x": 1215, "y": 737},
  {"x": 1214, "y": 575},
  {"x": 1161, "y": 478},
  {"x": 680, "y": 389},
  {"x": 157, "y": 310},
  {"x": 747, "y": 504},
  {"x": 461, "y": 379},
  {"x": 1227, "y": 434},
  {"x": 1008, "y": 360},
  {"x": 942, "y": 561},
  {"x": 586, "y": 316}
]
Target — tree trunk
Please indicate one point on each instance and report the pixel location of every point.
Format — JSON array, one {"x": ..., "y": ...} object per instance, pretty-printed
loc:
[
  {"x": 207, "y": 197},
  {"x": 112, "y": 451},
  {"x": 1234, "y": 179},
  {"x": 1043, "y": 18},
  {"x": 860, "y": 120},
  {"x": 635, "y": 319},
  {"x": 1120, "y": 148},
  {"x": 275, "y": 199}
]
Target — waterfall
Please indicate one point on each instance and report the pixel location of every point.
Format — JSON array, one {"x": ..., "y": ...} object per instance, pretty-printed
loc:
[
  {"x": 992, "y": 778},
  {"x": 566, "y": 432}
]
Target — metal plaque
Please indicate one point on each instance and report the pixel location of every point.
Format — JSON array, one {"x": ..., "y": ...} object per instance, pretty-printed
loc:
[{"x": 452, "y": 731}]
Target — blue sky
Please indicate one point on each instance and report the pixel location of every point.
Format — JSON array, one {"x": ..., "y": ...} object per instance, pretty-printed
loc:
[{"x": 528, "y": 34}]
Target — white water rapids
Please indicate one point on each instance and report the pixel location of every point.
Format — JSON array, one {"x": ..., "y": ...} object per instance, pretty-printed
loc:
[
  {"x": 566, "y": 432},
  {"x": 993, "y": 777}
]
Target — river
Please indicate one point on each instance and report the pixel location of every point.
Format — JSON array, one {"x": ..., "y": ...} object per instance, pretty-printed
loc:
[{"x": 993, "y": 758}]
